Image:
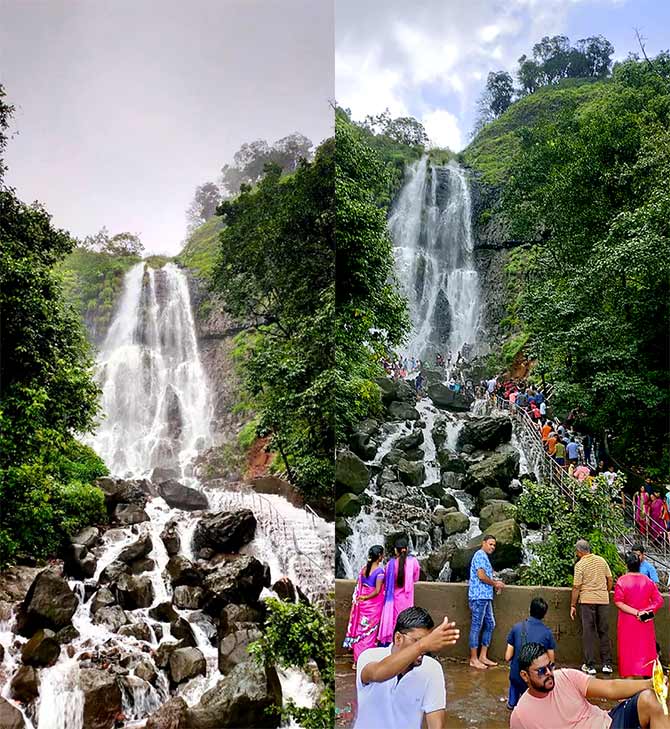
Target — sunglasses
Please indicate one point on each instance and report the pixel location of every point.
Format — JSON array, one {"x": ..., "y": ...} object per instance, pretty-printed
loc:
[{"x": 549, "y": 668}]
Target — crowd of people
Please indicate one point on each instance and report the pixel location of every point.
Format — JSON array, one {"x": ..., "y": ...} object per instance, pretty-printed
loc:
[
  {"x": 392, "y": 639},
  {"x": 403, "y": 365}
]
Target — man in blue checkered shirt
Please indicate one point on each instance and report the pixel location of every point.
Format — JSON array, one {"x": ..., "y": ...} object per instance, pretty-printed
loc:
[{"x": 480, "y": 599}]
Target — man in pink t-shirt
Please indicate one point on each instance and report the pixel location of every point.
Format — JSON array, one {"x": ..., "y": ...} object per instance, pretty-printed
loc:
[{"x": 557, "y": 699}]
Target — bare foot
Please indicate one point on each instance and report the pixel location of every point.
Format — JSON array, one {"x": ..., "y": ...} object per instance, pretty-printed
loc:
[
  {"x": 353, "y": 666},
  {"x": 476, "y": 663},
  {"x": 488, "y": 662}
]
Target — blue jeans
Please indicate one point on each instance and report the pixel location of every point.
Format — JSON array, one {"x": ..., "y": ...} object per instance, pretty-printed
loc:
[{"x": 482, "y": 616}]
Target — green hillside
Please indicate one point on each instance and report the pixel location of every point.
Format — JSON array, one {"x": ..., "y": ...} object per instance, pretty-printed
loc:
[{"x": 199, "y": 253}]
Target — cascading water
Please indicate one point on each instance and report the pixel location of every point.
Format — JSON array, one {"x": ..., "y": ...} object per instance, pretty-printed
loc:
[
  {"x": 433, "y": 243},
  {"x": 156, "y": 414}
]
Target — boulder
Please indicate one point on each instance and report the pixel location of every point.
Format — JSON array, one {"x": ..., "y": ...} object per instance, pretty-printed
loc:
[
  {"x": 387, "y": 387},
  {"x": 363, "y": 445},
  {"x": 250, "y": 696},
  {"x": 171, "y": 715},
  {"x": 41, "y": 650},
  {"x": 129, "y": 514},
  {"x": 509, "y": 551},
  {"x": 414, "y": 454},
  {"x": 113, "y": 572},
  {"x": 164, "y": 651},
  {"x": 170, "y": 538},
  {"x": 164, "y": 613},
  {"x": 450, "y": 462},
  {"x": 161, "y": 473},
  {"x": 134, "y": 592},
  {"x": 87, "y": 537},
  {"x": 182, "y": 630},
  {"x": 234, "y": 617},
  {"x": 49, "y": 603},
  {"x": 387, "y": 475},
  {"x": 404, "y": 392},
  {"x": 103, "y": 598},
  {"x": 233, "y": 648},
  {"x": 412, "y": 473},
  {"x": 342, "y": 529},
  {"x": 112, "y": 617},
  {"x": 102, "y": 698},
  {"x": 434, "y": 563},
  {"x": 25, "y": 685},
  {"x": 351, "y": 474},
  {"x": 285, "y": 590},
  {"x": 392, "y": 458},
  {"x": 431, "y": 376},
  {"x": 394, "y": 490},
  {"x": 485, "y": 433},
  {"x": 226, "y": 531},
  {"x": 455, "y": 522},
  {"x": 440, "y": 433},
  {"x": 497, "y": 470},
  {"x": 136, "y": 550},
  {"x": 348, "y": 505},
  {"x": 437, "y": 490},
  {"x": 10, "y": 716},
  {"x": 182, "y": 497},
  {"x": 188, "y": 598},
  {"x": 495, "y": 511},
  {"x": 186, "y": 663},
  {"x": 144, "y": 564},
  {"x": 67, "y": 635},
  {"x": 79, "y": 562},
  {"x": 183, "y": 572},
  {"x": 411, "y": 441},
  {"x": 140, "y": 631},
  {"x": 452, "y": 480},
  {"x": 402, "y": 411},
  {"x": 238, "y": 581},
  {"x": 121, "y": 491},
  {"x": 489, "y": 493},
  {"x": 447, "y": 399}
]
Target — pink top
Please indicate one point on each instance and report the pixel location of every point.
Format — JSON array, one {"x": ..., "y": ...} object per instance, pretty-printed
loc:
[{"x": 566, "y": 707}]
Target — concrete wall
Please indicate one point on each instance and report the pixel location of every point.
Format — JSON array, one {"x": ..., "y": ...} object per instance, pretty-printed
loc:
[{"x": 441, "y": 598}]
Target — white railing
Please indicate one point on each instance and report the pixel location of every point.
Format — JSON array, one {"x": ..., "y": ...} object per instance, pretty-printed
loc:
[{"x": 530, "y": 439}]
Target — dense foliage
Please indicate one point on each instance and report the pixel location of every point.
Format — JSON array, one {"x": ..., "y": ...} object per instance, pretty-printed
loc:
[
  {"x": 295, "y": 636},
  {"x": 589, "y": 190},
  {"x": 590, "y": 517},
  {"x": 275, "y": 271},
  {"x": 371, "y": 316}
]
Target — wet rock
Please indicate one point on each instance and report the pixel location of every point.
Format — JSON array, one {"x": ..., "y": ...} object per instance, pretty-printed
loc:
[
  {"x": 136, "y": 550},
  {"x": 250, "y": 696},
  {"x": 129, "y": 514},
  {"x": 411, "y": 441},
  {"x": 145, "y": 670},
  {"x": 49, "y": 603},
  {"x": 238, "y": 581},
  {"x": 171, "y": 715},
  {"x": 113, "y": 572},
  {"x": 447, "y": 399},
  {"x": 411, "y": 473},
  {"x": 41, "y": 650},
  {"x": 440, "y": 434},
  {"x": 25, "y": 685},
  {"x": 140, "y": 631},
  {"x": 351, "y": 474},
  {"x": 226, "y": 531},
  {"x": 387, "y": 475},
  {"x": 285, "y": 590},
  {"x": 182, "y": 630},
  {"x": 10, "y": 716},
  {"x": 450, "y": 462},
  {"x": 486, "y": 433},
  {"x": 234, "y": 617},
  {"x": 164, "y": 613},
  {"x": 454, "y": 522},
  {"x": 188, "y": 598},
  {"x": 186, "y": 663},
  {"x": 67, "y": 635},
  {"x": 102, "y": 698},
  {"x": 79, "y": 562},
  {"x": 402, "y": 411},
  {"x": 233, "y": 648},
  {"x": 392, "y": 458},
  {"x": 138, "y": 566},
  {"x": 394, "y": 490},
  {"x": 164, "y": 651},
  {"x": 182, "y": 497},
  {"x": 487, "y": 494},
  {"x": 404, "y": 392},
  {"x": 88, "y": 537},
  {"x": 348, "y": 505},
  {"x": 342, "y": 529},
  {"x": 387, "y": 387},
  {"x": 134, "y": 592},
  {"x": 112, "y": 617},
  {"x": 171, "y": 539},
  {"x": 161, "y": 473},
  {"x": 497, "y": 470},
  {"x": 415, "y": 454},
  {"x": 508, "y": 552},
  {"x": 182, "y": 571},
  {"x": 436, "y": 560},
  {"x": 496, "y": 511},
  {"x": 103, "y": 598}
]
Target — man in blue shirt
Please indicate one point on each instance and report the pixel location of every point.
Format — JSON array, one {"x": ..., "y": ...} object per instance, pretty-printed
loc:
[
  {"x": 573, "y": 451},
  {"x": 531, "y": 630},
  {"x": 646, "y": 567},
  {"x": 480, "y": 599}
]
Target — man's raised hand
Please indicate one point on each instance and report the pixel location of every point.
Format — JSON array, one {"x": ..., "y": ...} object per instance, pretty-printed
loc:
[{"x": 445, "y": 635}]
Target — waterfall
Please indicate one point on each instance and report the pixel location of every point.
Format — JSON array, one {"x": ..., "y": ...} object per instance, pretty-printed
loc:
[
  {"x": 154, "y": 394},
  {"x": 432, "y": 235}
]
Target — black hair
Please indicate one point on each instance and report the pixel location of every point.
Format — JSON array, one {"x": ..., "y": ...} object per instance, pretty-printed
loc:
[
  {"x": 529, "y": 653},
  {"x": 486, "y": 538},
  {"x": 638, "y": 547},
  {"x": 411, "y": 618},
  {"x": 401, "y": 545},
  {"x": 374, "y": 553},
  {"x": 538, "y": 608},
  {"x": 632, "y": 562}
]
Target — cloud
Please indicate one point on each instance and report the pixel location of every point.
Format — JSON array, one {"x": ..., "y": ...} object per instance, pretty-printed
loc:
[{"x": 443, "y": 129}]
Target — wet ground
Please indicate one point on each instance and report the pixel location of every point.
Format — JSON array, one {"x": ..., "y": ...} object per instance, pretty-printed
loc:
[{"x": 475, "y": 699}]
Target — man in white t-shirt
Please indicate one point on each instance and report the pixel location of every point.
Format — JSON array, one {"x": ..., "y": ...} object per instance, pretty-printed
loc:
[{"x": 396, "y": 686}]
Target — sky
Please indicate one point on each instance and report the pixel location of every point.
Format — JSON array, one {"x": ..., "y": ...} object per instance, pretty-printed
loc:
[
  {"x": 429, "y": 59},
  {"x": 123, "y": 107}
]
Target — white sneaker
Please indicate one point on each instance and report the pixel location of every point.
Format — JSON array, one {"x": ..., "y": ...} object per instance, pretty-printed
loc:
[
  {"x": 607, "y": 668},
  {"x": 588, "y": 669}
]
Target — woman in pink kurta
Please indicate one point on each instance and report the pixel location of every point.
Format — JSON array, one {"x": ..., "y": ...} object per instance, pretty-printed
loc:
[
  {"x": 366, "y": 608},
  {"x": 641, "y": 507},
  {"x": 656, "y": 523},
  {"x": 634, "y": 595},
  {"x": 401, "y": 573}
]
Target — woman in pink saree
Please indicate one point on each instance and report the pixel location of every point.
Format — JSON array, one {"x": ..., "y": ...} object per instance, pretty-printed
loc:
[
  {"x": 366, "y": 608},
  {"x": 641, "y": 508},
  {"x": 401, "y": 573},
  {"x": 637, "y": 597},
  {"x": 656, "y": 523}
]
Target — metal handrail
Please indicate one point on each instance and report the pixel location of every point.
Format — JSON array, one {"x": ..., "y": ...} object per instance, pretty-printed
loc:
[{"x": 658, "y": 550}]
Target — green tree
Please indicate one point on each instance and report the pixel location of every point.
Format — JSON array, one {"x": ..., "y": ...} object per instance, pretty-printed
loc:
[
  {"x": 404, "y": 130},
  {"x": 205, "y": 201},
  {"x": 296, "y": 635}
]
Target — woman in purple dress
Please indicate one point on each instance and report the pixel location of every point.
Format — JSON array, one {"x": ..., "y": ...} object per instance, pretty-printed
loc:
[{"x": 367, "y": 605}]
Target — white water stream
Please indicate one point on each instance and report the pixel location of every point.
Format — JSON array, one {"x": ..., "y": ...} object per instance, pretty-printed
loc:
[{"x": 156, "y": 414}]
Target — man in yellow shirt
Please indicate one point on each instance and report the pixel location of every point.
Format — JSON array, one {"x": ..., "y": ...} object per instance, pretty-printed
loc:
[{"x": 591, "y": 589}]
